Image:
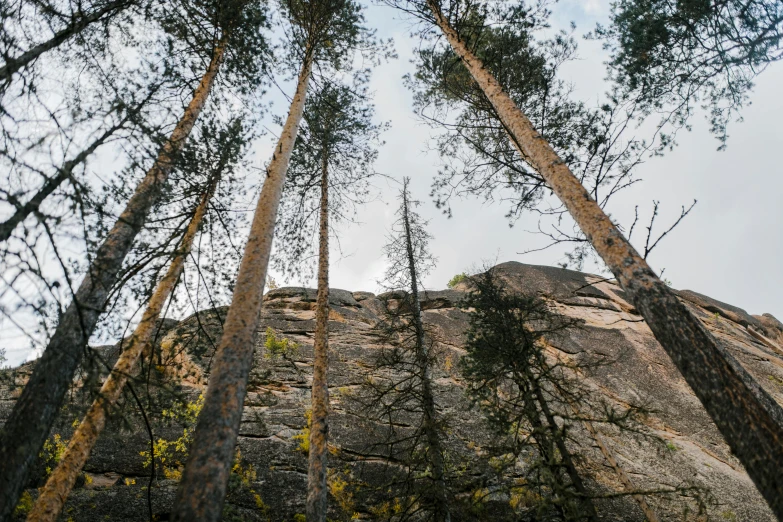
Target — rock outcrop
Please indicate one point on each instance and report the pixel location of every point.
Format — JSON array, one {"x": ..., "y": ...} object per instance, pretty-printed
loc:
[{"x": 272, "y": 466}]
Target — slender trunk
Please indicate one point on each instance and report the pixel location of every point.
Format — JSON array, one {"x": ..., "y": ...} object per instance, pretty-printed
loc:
[
  {"x": 319, "y": 426},
  {"x": 57, "y": 488},
  {"x": 547, "y": 449},
  {"x": 649, "y": 513},
  {"x": 202, "y": 490},
  {"x": 434, "y": 450},
  {"x": 63, "y": 173},
  {"x": 628, "y": 485},
  {"x": 13, "y": 65},
  {"x": 28, "y": 425},
  {"x": 586, "y": 503},
  {"x": 749, "y": 419}
]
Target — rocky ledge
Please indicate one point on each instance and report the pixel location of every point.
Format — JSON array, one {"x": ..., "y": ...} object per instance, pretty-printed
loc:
[{"x": 272, "y": 464}]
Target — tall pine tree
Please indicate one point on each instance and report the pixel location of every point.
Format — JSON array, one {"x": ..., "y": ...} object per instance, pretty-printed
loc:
[
  {"x": 403, "y": 391},
  {"x": 322, "y": 32},
  {"x": 330, "y": 171},
  {"x": 748, "y": 417}
]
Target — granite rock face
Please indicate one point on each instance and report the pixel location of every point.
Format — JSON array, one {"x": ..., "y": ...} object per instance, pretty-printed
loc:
[{"x": 116, "y": 481}]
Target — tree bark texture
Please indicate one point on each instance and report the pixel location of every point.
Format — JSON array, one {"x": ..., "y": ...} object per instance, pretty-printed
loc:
[
  {"x": 202, "y": 491},
  {"x": 57, "y": 488},
  {"x": 13, "y": 65},
  {"x": 749, "y": 419},
  {"x": 435, "y": 449},
  {"x": 33, "y": 414},
  {"x": 319, "y": 422}
]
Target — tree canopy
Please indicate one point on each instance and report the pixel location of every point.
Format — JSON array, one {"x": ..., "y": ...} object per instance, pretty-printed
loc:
[{"x": 672, "y": 57}]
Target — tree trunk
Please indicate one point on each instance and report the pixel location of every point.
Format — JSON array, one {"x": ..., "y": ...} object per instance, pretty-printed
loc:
[
  {"x": 28, "y": 425},
  {"x": 319, "y": 426},
  {"x": 649, "y": 513},
  {"x": 434, "y": 450},
  {"x": 13, "y": 65},
  {"x": 65, "y": 172},
  {"x": 54, "y": 494},
  {"x": 202, "y": 490},
  {"x": 749, "y": 419},
  {"x": 547, "y": 449},
  {"x": 586, "y": 503}
]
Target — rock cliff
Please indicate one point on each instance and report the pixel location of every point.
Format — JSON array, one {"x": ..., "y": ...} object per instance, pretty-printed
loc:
[{"x": 271, "y": 469}]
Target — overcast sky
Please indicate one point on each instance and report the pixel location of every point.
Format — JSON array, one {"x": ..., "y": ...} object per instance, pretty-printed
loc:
[{"x": 729, "y": 248}]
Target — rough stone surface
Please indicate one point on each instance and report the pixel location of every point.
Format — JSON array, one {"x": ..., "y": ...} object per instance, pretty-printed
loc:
[{"x": 639, "y": 371}]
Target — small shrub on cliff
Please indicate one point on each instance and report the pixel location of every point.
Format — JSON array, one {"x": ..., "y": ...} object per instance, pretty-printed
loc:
[
  {"x": 340, "y": 485},
  {"x": 304, "y": 436},
  {"x": 171, "y": 454},
  {"x": 24, "y": 506},
  {"x": 279, "y": 348},
  {"x": 52, "y": 451},
  {"x": 457, "y": 279}
]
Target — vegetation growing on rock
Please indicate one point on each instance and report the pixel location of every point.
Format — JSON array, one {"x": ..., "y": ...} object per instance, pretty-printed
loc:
[{"x": 127, "y": 132}]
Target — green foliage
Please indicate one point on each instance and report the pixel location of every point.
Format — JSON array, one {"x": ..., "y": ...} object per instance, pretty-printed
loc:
[
  {"x": 340, "y": 487},
  {"x": 399, "y": 396},
  {"x": 523, "y": 395},
  {"x": 244, "y": 475},
  {"x": 170, "y": 455},
  {"x": 522, "y": 498},
  {"x": 25, "y": 505},
  {"x": 195, "y": 28},
  {"x": 332, "y": 31},
  {"x": 534, "y": 401},
  {"x": 457, "y": 279},
  {"x": 241, "y": 482},
  {"x": 408, "y": 239},
  {"x": 477, "y": 157},
  {"x": 775, "y": 379},
  {"x": 340, "y": 139},
  {"x": 304, "y": 436},
  {"x": 729, "y": 515},
  {"x": 671, "y": 56},
  {"x": 475, "y": 151},
  {"x": 53, "y": 449},
  {"x": 279, "y": 348}
]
